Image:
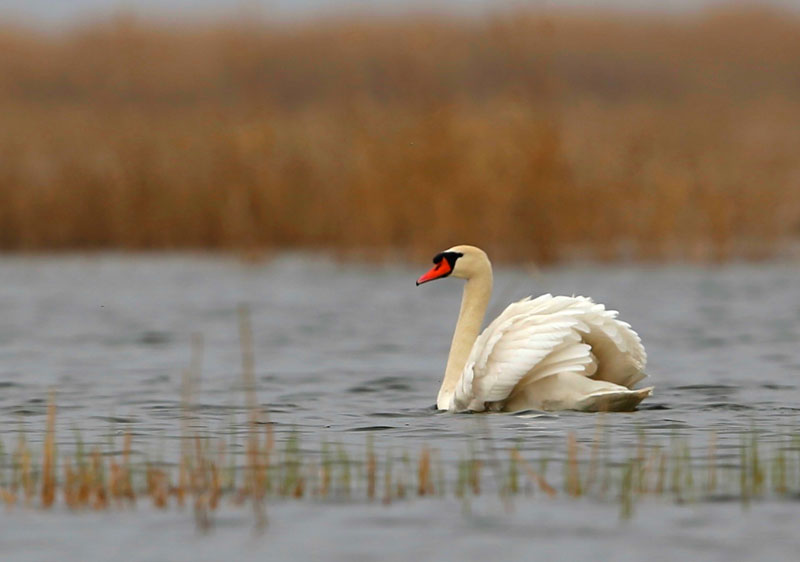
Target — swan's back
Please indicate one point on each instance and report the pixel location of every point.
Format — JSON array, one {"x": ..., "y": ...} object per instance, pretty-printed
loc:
[{"x": 565, "y": 352}]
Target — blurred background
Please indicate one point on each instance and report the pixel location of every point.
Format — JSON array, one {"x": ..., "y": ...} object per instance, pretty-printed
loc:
[
  {"x": 282, "y": 137},
  {"x": 546, "y": 131}
]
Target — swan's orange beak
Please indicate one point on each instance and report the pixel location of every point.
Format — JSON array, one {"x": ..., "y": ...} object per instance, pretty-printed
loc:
[{"x": 441, "y": 269}]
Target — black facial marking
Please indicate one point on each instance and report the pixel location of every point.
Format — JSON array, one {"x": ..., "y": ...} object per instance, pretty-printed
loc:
[{"x": 451, "y": 258}]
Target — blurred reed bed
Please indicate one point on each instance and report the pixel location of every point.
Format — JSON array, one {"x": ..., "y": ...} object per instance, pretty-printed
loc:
[
  {"x": 210, "y": 474},
  {"x": 535, "y": 134}
]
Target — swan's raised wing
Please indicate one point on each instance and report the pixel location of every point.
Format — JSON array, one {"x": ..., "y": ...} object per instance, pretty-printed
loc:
[{"x": 533, "y": 339}]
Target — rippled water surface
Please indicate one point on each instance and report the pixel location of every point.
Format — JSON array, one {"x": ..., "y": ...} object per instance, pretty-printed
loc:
[{"x": 347, "y": 351}]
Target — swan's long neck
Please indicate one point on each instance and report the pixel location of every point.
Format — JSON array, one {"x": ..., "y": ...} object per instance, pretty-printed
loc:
[{"x": 474, "y": 302}]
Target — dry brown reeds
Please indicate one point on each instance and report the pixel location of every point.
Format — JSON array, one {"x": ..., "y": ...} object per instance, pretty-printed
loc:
[
  {"x": 530, "y": 133},
  {"x": 106, "y": 479}
]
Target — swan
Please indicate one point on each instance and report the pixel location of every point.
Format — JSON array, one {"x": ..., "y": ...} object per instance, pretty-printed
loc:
[{"x": 548, "y": 353}]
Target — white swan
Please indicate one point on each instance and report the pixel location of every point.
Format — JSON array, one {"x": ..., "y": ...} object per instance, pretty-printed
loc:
[{"x": 549, "y": 353}]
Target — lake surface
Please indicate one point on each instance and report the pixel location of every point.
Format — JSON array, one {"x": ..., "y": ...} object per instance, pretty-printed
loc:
[{"x": 346, "y": 351}]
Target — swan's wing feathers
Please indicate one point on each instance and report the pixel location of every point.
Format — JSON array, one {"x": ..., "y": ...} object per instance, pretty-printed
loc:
[
  {"x": 520, "y": 338},
  {"x": 532, "y": 339},
  {"x": 618, "y": 331},
  {"x": 621, "y": 357}
]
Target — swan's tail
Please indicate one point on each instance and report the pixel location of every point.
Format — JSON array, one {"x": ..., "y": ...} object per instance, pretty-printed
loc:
[{"x": 622, "y": 400}]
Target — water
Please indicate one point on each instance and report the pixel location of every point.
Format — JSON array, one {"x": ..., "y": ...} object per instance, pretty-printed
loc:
[{"x": 345, "y": 351}]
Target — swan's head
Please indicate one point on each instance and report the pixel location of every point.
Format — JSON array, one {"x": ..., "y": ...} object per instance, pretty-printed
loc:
[{"x": 458, "y": 261}]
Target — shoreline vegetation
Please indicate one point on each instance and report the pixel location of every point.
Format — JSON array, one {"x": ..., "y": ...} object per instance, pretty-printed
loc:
[
  {"x": 250, "y": 463},
  {"x": 544, "y": 135},
  {"x": 249, "y": 467}
]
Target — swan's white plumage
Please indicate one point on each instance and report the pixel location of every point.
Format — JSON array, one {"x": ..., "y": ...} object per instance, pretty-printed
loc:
[
  {"x": 550, "y": 353},
  {"x": 538, "y": 339}
]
